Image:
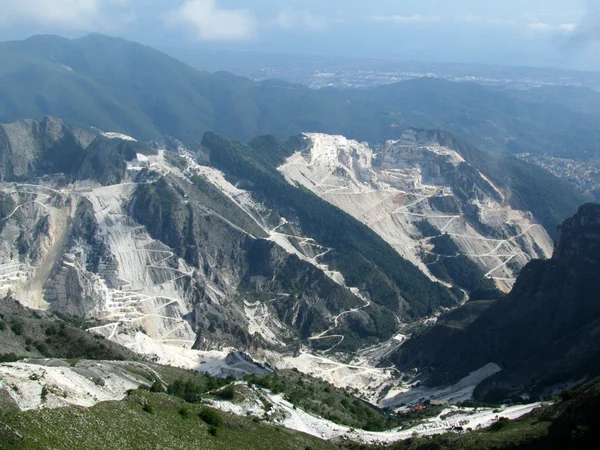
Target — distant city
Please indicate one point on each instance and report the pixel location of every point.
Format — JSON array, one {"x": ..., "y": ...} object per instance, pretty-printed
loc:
[{"x": 322, "y": 72}]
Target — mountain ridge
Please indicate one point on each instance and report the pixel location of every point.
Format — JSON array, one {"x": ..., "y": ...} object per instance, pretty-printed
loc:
[{"x": 541, "y": 333}]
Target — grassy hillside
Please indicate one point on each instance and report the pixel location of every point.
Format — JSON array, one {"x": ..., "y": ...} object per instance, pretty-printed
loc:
[
  {"x": 25, "y": 333},
  {"x": 145, "y": 420}
]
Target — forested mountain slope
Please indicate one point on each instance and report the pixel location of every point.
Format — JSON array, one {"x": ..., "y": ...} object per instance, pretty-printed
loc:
[{"x": 121, "y": 86}]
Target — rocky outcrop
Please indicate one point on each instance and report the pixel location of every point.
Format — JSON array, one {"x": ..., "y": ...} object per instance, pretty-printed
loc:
[{"x": 29, "y": 148}]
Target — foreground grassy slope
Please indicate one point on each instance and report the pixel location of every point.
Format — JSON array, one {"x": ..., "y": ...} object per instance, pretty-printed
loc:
[
  {"x": 156, "y": 420},
  {"x": 144, "y": 420}
]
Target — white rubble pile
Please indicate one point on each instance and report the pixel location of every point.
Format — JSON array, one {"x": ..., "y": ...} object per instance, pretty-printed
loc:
[
  {"x": 284, "y": 413},
  {"x": 35, "y": 386},
  {"x": 461, "y": 391},
  {"x": 369, "y": 382}
]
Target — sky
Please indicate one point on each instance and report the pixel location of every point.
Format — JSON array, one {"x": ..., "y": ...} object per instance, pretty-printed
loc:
[{"x": 550, "y": 33}]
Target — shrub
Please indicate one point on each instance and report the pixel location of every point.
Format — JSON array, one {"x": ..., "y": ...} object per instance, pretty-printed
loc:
[
  {"x": 73, "y": 361},
  {"x": 184, "y": 413},
  {"x": 148, "y": 408},
  {"x": 190, "y": 390},
  {"x": 227, "y": 393},
  {"x": 211, "y": 417},
  {"x": 17, "y": 328},
  {"x": 502, "y": 422},
  {"x": 567, "y": 395},
  {"x": 213, "y": 431},
  {"x": 8, "y": 358},
  {"x": 45, "y": 393},
  {"x": 41, "y": 347},
  {"x": 157, "y": 387}
]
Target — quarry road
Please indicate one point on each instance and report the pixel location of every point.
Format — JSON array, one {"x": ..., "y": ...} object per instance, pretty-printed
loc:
[{"x": 323, "y": 335}]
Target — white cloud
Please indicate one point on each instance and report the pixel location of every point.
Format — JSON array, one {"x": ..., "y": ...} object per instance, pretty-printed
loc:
[
  {"x": 485, "y": 20},
  {"x": 567, "y": 27},
  {"x": 208, "y": 22},
  {"x": 290, "y": 19},
  {"x": 540, "y": 26},
  {"x": 415, "y": 18},
  {"x": 73, "y": 14},
  {"x": 543, "y": 27}
]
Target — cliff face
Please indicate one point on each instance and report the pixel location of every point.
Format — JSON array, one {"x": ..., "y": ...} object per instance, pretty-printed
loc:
[
  {"x": 29, "y": 148},
  {"x": 544, "y": 332}
]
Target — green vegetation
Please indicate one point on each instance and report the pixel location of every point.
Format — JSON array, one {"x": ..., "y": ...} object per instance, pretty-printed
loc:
[
  {"x": 448, "y": 265},
  {"x": 426, "y": 229},
  {"x": 7, "y": 206},
  {"x": 9, "y": 357},
  {"x": 227, "y": 393},
  {"x": 196, "y": 385},
  {"x": 444, "y": 245},
  {"x": 126, "y": 87},
  {"x": 211, "y": 417},
  {"x": 338, "y": 405},
  {"x": 145, "y": 420},
  {"x": 462, "y": 272},
  {"x": 35, "y": 334}
]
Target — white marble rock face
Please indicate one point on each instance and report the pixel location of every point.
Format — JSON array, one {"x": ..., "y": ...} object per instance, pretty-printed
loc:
[{"x": 390, "y": 190}]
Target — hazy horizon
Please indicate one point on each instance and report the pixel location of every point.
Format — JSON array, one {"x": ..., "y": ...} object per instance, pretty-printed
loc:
[{"x": 533, "y": 33}]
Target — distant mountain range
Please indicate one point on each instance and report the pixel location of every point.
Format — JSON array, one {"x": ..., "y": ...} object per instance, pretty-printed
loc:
[
  {"x": 122, "y": 86},
  {"x": 115, "y": 84}
]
